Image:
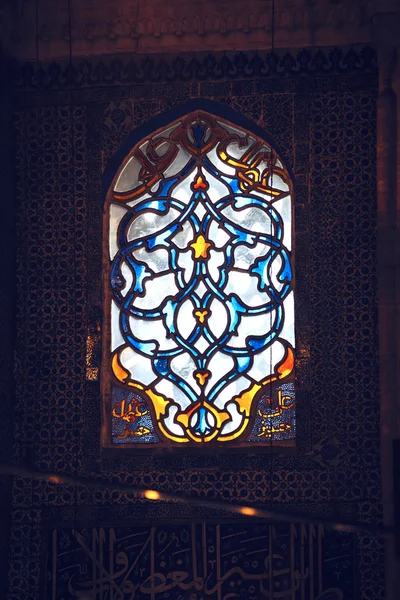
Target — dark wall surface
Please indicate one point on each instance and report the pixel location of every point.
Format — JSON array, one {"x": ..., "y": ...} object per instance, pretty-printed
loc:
[
  {"x": 7, "y": 303},
  {"x": 320, "y": 108}
]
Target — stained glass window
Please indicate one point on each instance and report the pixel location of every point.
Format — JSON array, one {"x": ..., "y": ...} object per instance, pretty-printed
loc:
[{"x": 199, "y": 290}]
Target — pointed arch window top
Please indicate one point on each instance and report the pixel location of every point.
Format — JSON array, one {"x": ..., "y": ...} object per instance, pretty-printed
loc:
[{"x": 199, "y": 297}]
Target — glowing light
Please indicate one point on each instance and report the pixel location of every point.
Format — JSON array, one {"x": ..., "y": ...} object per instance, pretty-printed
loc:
[
  {"x": 249, "y": 512},
  {"x": 55, "y": 479},
  {"x": 152, "y": 495},
  {"x": 340, "y": 527}
]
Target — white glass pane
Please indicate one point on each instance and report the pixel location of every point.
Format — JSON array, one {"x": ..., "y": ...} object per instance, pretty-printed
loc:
[
  {"x": 235, "y": 419},
  {"x": 127, "y": 275},
  {"x": 245, "y": 287},
  {"x": 182, "y": 191},
  {"x": 245, "y": 256},
  {"x": 220, "y": 364},
  {"x": 264, "y": 362},
  {"x": 231, "y": 391},
  {"x": 150, "y": 223},
  {"x": 202, "y": 344},
  {"x": 278, "y": 183},
  {"x": 181, "y": 160},
  {"x": 116, "y": 335},
  {"x": 288, "y": 327},
  {"x": 156, "y": 290},
  {"x": 116, "y": 214},
  {"x": 275, "y": 267},
  {"x": 157, "y": 260},
  {"x": 222, "y": 167},
  {"x": 129, "y": 177},
  {"x": 200, "y": 211},
  {"x": 135, "y": 201},
  {"x": 185, "y": 262},
  {"x": 185, "y": 320},
  {"x": 139, "y": 367},
  {"x": 216, "y": 260},
  {"x": 252, "y": 326},
  {"x": 217, "y": 189},
  {"x": 252, "y": 219},
  {"x": 218, "y": 235},
  {"x": 151, "y": 329},
  {"x": 183, "y": 238},
  {"x": 184, "y": 366},
  {"x": 200, "y": 289},
  {"x": 218, "y": 321},
  {"x": 170, "y": 423},
  {"x": 169, "y": 390},
  {"x": 285, "y": 210}
]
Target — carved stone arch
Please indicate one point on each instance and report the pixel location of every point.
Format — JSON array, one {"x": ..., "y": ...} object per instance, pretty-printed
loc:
[
  {"x": 218, "y": 22},
  {"x": 190, "y": 24},
  {"x": 145, "y": 27},
  {"x": 168, "y": 25}
]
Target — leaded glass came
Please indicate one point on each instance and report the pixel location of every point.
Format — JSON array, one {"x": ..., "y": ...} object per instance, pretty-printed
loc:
[{"x": 199, "y": 297}]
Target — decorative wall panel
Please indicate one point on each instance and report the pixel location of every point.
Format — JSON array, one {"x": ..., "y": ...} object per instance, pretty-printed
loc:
[
  {"x": 320, "y": 108},
  {"x": 201, "y": 559}
]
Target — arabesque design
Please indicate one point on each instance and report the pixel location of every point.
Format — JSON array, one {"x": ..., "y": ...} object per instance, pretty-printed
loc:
[{"x": 202, "y": 317}]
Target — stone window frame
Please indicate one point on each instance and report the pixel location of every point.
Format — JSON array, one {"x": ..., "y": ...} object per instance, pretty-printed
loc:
[
  {"x": 100, "y": 449},
  {"x": 119, "y": 161}
]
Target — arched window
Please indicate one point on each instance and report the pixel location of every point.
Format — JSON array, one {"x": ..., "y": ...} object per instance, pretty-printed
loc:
[{"x": 199, "y": 289}]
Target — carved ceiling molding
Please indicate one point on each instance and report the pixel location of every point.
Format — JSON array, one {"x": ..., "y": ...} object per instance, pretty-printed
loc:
[
  {"x": 126, "y": 26},
  {"x": 277, "y": 67}
]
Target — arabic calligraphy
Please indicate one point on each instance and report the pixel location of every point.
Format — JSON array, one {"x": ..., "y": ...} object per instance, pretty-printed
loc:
[{"x": 197, "y": 561}]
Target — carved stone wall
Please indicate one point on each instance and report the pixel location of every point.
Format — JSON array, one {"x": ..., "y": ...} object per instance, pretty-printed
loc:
[
  {"x": 68, "y": 129},
  {"x": 41, "y": 31},
  {"x": 7, "y": 303}
]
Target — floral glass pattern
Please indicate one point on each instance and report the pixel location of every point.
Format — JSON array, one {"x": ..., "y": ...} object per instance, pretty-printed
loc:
[{"x": 199, "y": 289}]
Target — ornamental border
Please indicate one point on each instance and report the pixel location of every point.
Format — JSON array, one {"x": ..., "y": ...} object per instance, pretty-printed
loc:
[{"x": 123, "y": 70}]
